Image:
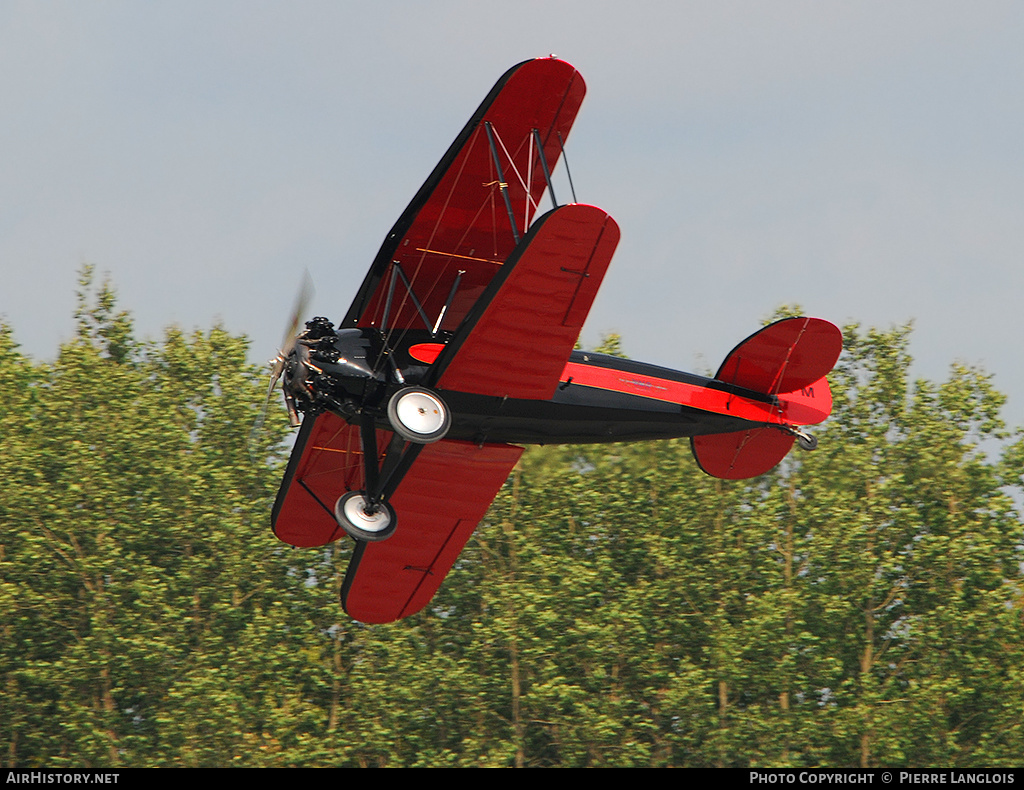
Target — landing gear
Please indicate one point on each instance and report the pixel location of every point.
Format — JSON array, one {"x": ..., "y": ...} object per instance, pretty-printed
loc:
[
  {"x": 419, "y": 415},
  {"x": 362, "y": 519},
  {"x": 807, "y": 441}
]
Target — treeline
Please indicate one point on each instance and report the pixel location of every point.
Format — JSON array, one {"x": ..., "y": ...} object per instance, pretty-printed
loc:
[{"x": 859, "y": 606}]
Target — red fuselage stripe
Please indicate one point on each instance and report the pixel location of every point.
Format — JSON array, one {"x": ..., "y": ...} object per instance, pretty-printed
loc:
[{"x": 679, "y": 392}]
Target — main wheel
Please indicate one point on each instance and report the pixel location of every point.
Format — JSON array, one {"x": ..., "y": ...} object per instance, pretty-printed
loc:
[
  {"x": 419, "y": 415},
  {"x": 362, "y": 520}
]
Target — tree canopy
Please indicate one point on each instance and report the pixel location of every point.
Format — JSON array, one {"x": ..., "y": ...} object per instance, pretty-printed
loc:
[{"x": 857, "y": 606}]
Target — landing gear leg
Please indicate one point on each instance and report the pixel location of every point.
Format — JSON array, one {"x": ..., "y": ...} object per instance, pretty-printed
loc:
[{"x": 366, "y": 515}]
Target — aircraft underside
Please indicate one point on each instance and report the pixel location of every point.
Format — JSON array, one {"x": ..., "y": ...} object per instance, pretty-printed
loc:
[
  {"x": 480, "y": 419},
  {"x": 458, "y": 348}
]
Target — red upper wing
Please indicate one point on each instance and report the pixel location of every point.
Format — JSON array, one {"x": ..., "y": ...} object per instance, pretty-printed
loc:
[
  {"x": 458, "y": 220},
  {"x": 518, "y": 337}
]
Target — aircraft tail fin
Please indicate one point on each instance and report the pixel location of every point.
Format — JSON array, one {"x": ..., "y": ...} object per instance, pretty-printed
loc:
[{"x": 788, "y": 360}]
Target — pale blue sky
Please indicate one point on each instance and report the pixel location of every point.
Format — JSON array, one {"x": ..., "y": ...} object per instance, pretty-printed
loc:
[{"x": 865, "y": 160}]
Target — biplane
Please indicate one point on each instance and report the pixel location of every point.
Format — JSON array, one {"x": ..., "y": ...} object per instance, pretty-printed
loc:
[{"x": 459, "y": 348}]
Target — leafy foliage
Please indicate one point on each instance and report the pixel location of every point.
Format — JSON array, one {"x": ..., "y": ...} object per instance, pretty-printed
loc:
[{"x": 858, "y": 606}]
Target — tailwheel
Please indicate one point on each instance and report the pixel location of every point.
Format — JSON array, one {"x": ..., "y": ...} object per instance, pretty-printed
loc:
[
  {"x": 363, "y": 519},
  {"x": 807, "y": 441},
  {"x": 419, "y": 415}
]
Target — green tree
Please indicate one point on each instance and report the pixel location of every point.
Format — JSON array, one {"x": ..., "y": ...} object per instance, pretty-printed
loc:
[
  {"x": 131, "y": 544},
  {"x": 861, "y": 605}
]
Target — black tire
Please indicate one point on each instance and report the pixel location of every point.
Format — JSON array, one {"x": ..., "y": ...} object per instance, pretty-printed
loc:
[
  {"x": 807, "y": 441},
  {"x": 370, "y": 525},
  {"x": 419, "y": 415}
]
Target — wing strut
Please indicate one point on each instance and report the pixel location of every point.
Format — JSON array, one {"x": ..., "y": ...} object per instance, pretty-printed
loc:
[
  {"x": 565, "y": 159},
  {"x": 412, "y": 295},
  {"x": 448, "y": 302},
  {"x": 544, "y": 166},
  {"x": 396, "y": 273},
  {"x": 433, "y": 328},
  {"x": 502, "y": 184}
]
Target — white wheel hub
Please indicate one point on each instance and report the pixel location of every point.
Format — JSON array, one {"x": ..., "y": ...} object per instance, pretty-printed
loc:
[
  {"x": 420, "y": 412},
  {"x": 418, "y": 415},
  {"x": 372, "y": 521},
  {"x": 362, "y": 521}
]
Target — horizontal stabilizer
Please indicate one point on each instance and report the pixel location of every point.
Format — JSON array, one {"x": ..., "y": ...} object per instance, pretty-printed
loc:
[
  {"x": 743, "y": 454},
  {"x": 788, "y": 355}
]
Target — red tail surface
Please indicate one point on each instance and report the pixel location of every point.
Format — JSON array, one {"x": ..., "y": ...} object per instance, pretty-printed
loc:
[
  {"x": 737, "y": 456},
  {"x": 789, "y": 360}
]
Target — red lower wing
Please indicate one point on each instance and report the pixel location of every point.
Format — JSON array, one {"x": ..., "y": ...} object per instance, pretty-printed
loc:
[
  {"x": 439, "y": 503},
  {"x": 327, "y": 462},
  {"x": 515, "y": 342}
]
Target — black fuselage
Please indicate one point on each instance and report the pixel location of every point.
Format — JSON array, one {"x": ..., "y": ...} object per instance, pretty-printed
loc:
[{"x": 600, "y": 398}]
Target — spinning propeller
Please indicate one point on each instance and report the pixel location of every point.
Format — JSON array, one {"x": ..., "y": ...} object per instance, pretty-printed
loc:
[{"x": 302, "y": 300}]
